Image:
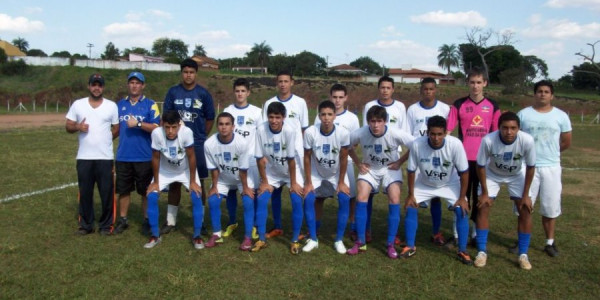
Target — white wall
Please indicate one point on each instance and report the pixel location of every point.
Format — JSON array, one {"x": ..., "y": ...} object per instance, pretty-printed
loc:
[
  {"x": 96, "y": 63},
  {"x": 43, "y": 61}
]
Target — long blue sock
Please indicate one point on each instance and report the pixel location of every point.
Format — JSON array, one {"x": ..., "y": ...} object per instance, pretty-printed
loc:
[
  {"x": 198, "y": 214},
  {"x": 482, "y": 236},
  {"x": 248, "y": 215},
  {"x": 343, "y": 213},
  {"x": 410, "y": 226},
  {"x": 436, "y": 214},
  {"x": 369, "y": 211},
  {"x": 318, "y": 225},
  {"x": 276, "y": 207},
  {"x": 393, "y": 222},
  {"x": 232, "y": 206},
  {"x": 214, "y": 206},
  {"x": 360, "y": 216},
  {"x": 309, "y": 213},
  {"x": 152, "y": 212},
  {"x": 297, "y": 215},
  {"x": 524, "y": 239},
  {"x": 462, "y": 226},
  {"x": 261, "y": 214}
]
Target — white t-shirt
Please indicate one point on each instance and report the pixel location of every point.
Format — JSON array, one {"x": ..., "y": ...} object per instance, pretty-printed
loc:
[
  {"x": 396, "y": 113},
  {"x": 246, "y": 120},
  {"x": 325, "y": 158},
  {"x": 228, "y": 158},
  {"x": 277, "y": 147},
  {"x": 379, "y": 151},
  {"x": 347, "y": 120},
  {"x": 417, "y": 116},
  {"x": 437, "y": 167},
  {"x": 97, "y": 142},
  {"x": 296, "y": 116},
  {"x": 173, "y": 160},
  {"x": 506, "y": 159}
]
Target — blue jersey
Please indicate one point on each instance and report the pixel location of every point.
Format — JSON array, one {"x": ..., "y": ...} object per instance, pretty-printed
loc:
[
  {"x": 195, "y": 107},
  {"x": 134, "y": 143}
]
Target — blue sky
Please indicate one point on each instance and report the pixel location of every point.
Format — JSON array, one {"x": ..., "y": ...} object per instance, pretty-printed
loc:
[{"x": 394, "y": 33}]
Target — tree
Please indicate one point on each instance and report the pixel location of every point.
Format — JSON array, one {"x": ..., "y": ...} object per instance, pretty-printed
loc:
[
  {"x": 590, "y": 58},
  {"x": 21, "y": 43},
  {"x": 199, "y": 50},
  {"x": 535, "y": 67},
  {"x": 281, "y": 62},
  {"x": 136, "y": 50},
  {"x": 480, "y": 39},
  {"x": 78, "y": 56},
  {"x": 500, "y": 60},
  {"x": 111, "y": 52},
  {"x": 3, "y": 56},
  {"x": 367, "y": 64},
  {"x": 449, "y": 57},
  {"x": 513, "y": 80},
  {"x": 308, "y": 63},
  {"x": 173, "y": 50},
  {"x": 586, "y": 76},
  {"x": 36, "y": 52},
  {"x": 259, "y": 54},
  {"x": 63, "y": 53}
]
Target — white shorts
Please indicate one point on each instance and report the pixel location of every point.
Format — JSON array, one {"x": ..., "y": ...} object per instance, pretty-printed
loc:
[
  {"x": 278, "y": 182},
  {"x": 351, "y": 179},
  {"x": 547, "y": 184},
  {"x": 515, "y": 183},
  {"x": 325, "y": 187},
  {"x": 382, "y": 177},
  {"x": 184, "y": 178},
  {"x": 424, "y": 193},
  {"x": 224, "y": 187}
]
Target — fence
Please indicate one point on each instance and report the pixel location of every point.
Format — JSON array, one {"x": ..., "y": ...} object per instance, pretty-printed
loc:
[{"x": 97, "y": 63}]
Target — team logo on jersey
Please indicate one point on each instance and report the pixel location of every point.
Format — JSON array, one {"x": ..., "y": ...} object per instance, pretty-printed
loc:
[
  {"x": 250, "y": 121},
  {"x": 485, "y": 109},
  {"x": 227, "y": 156},
  {"x": 188, "y": 102},
  {"x": 393, "y": 119},
  {"x": 477, "y": 120},
  {"x": 276, "y": 147},
  {"x": 197, "y": 103},
  {"x": 435, "y": 161},
  {"x": 178, "y": 101},
  {"x": 507, "y": 156},
  {"x": 517, "y": 156},
  {"x": 326, "y": 148},
  {"x": 173, "y": 152},
  {"x": 240, "y": 120},
  {"x": 124, "y": 108},
  {"x": 378, "y": 148},
  {"x": 424, "y": 160},
  {"x": 292, "y": 115},
  {"x": 446, "y": 164}
]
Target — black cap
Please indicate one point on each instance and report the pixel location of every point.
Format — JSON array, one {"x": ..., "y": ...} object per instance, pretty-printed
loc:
[{"x": 96, "y": 78}]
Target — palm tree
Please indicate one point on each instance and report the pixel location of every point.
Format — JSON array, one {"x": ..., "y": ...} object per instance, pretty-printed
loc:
[
  {"x": 260, "y": 52},
  {"x": 449, "y": 56},
  {"x": 21, "y": 43},
  {"x": 199, "y": 51}
]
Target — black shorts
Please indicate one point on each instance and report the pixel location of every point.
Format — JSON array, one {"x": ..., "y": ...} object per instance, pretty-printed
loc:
[{"x": 133, "y": 176}]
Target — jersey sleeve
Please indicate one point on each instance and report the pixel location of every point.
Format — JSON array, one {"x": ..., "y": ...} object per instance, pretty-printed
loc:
[
  {"x": 483, "y": 153},
  {"x": 304, "y": 119},
  {"x": 244, "y": 159},
  {"x": 529, "y": 146},
  {"x": 309, "y": 138},
  {"x": 565, "y": 123},
  {"x": 115, "y": 114},
  {"x": 187, "y": 137},
  {"x": 72, "y": 113},
  {"x": 208, "y": 106},
  {"x": 461, "y": 163},
  {"x": 168, "y": 104},
  {"x": 355, "y": 137},
  {"x": 344, "y": 138},
  {"x": 317, "y": 121},
  {"x": 153, "y": 114},
  {"x": 495, "y": 119},
  {"x": 452, "y": 118},
  {"x": 405, "y": 126},
  {"x": 290, "y": 151},
  {"x": 157, "y": 138},
  {"x": 258, "y": 151},
  {"x": 404, "y": 137},
  {"x": 210, "y": 163},
  {"x": 413, "y": 155}
]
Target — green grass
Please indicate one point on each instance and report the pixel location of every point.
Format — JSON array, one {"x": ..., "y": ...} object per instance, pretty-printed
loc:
[{"x": 40, "y": 257}]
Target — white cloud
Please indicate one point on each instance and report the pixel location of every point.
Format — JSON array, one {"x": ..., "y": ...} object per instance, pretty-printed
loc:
[
  {"x": 390, "y": 31},
  {"x": 548, "y": 50},
  {"x": 227, "y": 51},
  {"x": 19, "y": 24},
  {"x": 126, "y": 29},
  {"x": 469, "y": 18},
  {"x": 563, "y": 29},
  {"x": 212, "y": 35},
  {"x": 535, "y": 19},
  {"x": 395, "y": 53},
  {"x": 160, "y": 14},
  {"x": 30, "y": 10},
  {"x": 133, "y": 16},
  {"x": 593, "y": 4}
]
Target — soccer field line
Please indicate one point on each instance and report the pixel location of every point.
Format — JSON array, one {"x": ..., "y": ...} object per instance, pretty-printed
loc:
[
  {"x": 18, "y": 196},
  {"x": 581, "y": 169}
]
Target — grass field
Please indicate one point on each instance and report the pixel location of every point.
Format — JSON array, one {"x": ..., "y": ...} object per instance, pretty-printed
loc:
[{"x": 40, "y": 257}]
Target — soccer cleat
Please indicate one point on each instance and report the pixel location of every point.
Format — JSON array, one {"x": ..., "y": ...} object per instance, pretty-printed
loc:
[
  {"x": 551, "y": 250},
  {"x": 105, "y": 232},
  {"x": 214, "y": 241},
  {"x": 524, "y": 262},
  {"x": 465, "y": 258},
  {"x": 153, "y": 242},
  {"x": 295, "y": 247},
  {"x": 246, "y": 244},
  {"x": 391, "y": 251},
  {"x": 438, "y": 239},
  {"x": 229, "y": 230},
  {"x": 275, "y": 232},
  {"x": 310, "y": 245},
  {"x": 339, "y": 247},
  {"x": 254, "y": 233},
  {"x": 357, "y": 248},
  {"x": 83, "y": 231},
  {"x": 480, "y": 259},
  {"x": 408, "y": 252},
  {"x": 259, "y": 245},
  {"x": 121, "y": 225},
  {"x": 198, "y": 243},
  {"x": 514, "y": 249},
  {"x": 166, "y": 228}
]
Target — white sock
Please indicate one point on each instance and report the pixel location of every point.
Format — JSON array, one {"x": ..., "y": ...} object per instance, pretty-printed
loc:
[
  {"x": 474, "y": 231},
  {"x": 217, "y": 233},
  {"x": 549, "y": 242},
  {"x": 454, "y": 227},
  {"x": 172, "y": 214}
]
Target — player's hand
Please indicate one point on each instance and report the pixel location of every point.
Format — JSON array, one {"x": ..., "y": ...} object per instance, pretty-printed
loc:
[
  {"x": 132, "y": 121},
  {"x": 308, "y": 187},
  {"x": 153, "y": 187},
  {"x": 464, "y": 205},
  {"x": 410, "y": 202},
  {"x": 343, "y": 188},
  {"x": 363, "y": 168},
  {"x": 194, "y": 187},
  {"x": 248, "y": 192},
  {"x": 212, "y": 191},
  {"x": 296, "y": 188},
  {"x": 83, "y": 126},
  {"x": 263, "y": 187},
  {"x": 483, "y": 201},
  {"x": 525, "y": 203},
  {"x": 394, "y": 165}
]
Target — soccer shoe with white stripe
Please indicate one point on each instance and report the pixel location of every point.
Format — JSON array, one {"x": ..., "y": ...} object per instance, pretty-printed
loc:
[
  {"x": 464, "y": 258},
  {"x": 340, "y": 247},
  {"x": 391, "y": 251},
  {"x": 480, "y": 259},
  {"x": 153, "y": 242},
  {"x": 524, "y": 262},
  {"x": 295, "y": 248},
  {"x": 310, "y": 245},
  {"x": 357, "y": 248},
  {"x": 198, "y": 243},
  {"x": 214, "y": 241}
]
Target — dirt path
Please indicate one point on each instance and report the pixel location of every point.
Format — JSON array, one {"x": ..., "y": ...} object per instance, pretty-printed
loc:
[{"x": 31, "y": 120}]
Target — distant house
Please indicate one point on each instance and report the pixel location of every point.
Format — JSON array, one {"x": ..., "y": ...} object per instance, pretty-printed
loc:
[
  {"x": 251, "y": 70},
  {"x": 145, "y": 58},
  {"x": 416, "y": 75},
  {"x": 10, "y": 49},
  {"x": 347, "y": 69},
  {"x": 206, "y": 62}
]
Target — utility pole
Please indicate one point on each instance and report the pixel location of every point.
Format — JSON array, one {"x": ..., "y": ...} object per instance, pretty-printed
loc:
[{"x": 90, "y": 45}]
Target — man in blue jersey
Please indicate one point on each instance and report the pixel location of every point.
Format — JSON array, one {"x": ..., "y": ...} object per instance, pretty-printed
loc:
[
  {"x": 195, "y": 106},
  {"x": 138, "y": 116}
]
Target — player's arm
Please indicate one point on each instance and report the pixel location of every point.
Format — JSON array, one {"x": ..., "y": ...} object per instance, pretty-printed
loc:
[
  {"x": 294, "y": 186},
  {"x": 342, "y": 186},
  {"x": 484, "y": 199},
  {"x": 525, "y": 201},
  {"x": 308, "y": 187},
  {"x": 153, "y": 187},
  {"x": 72, "y": 126},
  {"x": 262, "y": 172},
  {"x": 214, "y": 175},
  {"x": 363, "y": 168},
  {"x": 565, "y": 140},
  {"x": 410, "y": 198},
  {"x": 208, "y": 126},
  {"x": 191, "y": 155},
  {"x": 114, "y": 130}
]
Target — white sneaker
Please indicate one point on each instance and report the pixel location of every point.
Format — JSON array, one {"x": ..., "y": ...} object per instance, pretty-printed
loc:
[
  {"x": 153, "y": 242},
  {"x": 310, "y": 245},
  {"x": 524, "y": 262},
  {"x": 198, "y": 243},
  {"x": 480, "y": 259},
  {"x": 339, "y": 247}
]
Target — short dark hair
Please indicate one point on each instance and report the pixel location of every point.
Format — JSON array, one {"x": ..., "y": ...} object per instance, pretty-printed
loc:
[
  {"x": 477, "y": 71},
  {"x": 276, "y": 108},
  {"x": 338, "y": 87},
  {"x": 188, "y": 62},
  {"x": 428, "y": 80},
  {"x": 326, "y": 104},
  {"x": 509, "y": 116},
  {"x": 241, "y": 82},
  {"x": 285, "y": 72},
  {"x": 547, "y": 83},
  {"x": 436, "y": 121},
  {"x": 225, "y": 115},
  {"x": 385, "y": 78},
  {"x": 171, "y": 117},
  {"x": 377, "y": 112}
]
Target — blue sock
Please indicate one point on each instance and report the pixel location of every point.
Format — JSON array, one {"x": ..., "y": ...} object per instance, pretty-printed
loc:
[
  {"x": 248, "y": 215},
  {"x": 462, "y": 226},
  {"x": 198, "y": 213},
  {"x": 482, "y": 236},
  {"x": 214, "y": 206},
  {"x": 318, "y": 225},
  {"x": 524, "y": 239},
  {"x": 262, "y": 202},
  {"x": 360, "y": 217},
  {"x": 369, "y": 211},
  {"x": 309, "y": 214},
  {"x": 152, "y": 212},
  {"x": 436, "y": 214},
  {"x": 296, "y": 215},
  {"x": 410, "y": 226},
  {"x": 393, "y": 222},
  {"x": 232, "y": 206},
  {"x": 343, "y": 212},
  {"x": 276, "y": 207}
]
